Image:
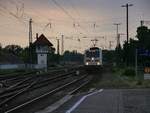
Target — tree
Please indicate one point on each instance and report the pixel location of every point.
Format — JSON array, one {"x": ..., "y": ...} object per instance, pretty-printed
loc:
[
  {"x": 118, "y": 52},
  {"x": 143, "y": 39},
  {"x": 53, "y": 59},
  {"x": 25, "y": 55},
  {"x": 73, "y": 57},
  {"x": 0, "y": 46},
  {"x": 14, "y": 49},
  {"x": 0, "y": 49},
  {"x": 143, "y": 35},
  {"x": 109, "y": 57}
]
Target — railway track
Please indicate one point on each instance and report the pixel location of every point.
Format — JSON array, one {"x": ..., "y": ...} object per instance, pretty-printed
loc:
[
  {"x": 8, "y": 99},
  {"x": 52, "y": 92},
  {"x": 15, "y": 75},
  {"x": 19, "y": 85},
  {"x": 19, "y": 75},
  {"x": 8, "y": 81},
  {"x": 11, "y": 79}
]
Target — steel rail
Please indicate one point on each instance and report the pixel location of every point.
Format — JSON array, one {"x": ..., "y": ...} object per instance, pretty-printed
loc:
[
  {"x": 44, "y": 95},
  {"x": 42, "y": 84}
]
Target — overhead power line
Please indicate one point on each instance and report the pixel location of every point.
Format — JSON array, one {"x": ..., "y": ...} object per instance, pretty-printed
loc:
[
  {"x": 66, "y": 12},
  {"x": 74, "y": 8},
  {"x": 57, "y": 4}
]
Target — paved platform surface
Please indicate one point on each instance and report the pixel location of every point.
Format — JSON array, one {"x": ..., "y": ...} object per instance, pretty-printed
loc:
[{"x": 109, "y": 101}]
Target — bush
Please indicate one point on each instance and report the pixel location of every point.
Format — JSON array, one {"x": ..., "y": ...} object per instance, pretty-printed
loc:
[{"x": 129, "y": 72}]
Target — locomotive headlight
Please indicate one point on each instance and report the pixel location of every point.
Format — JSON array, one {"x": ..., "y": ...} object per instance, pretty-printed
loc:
[
  {"x": 92, "y": 58},
  {"x": 98, "y": 63},
  {"x": 87, "y": 63}
]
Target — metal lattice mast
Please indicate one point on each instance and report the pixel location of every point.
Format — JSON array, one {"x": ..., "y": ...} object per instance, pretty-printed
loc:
[{"x": 117, "y": 33}]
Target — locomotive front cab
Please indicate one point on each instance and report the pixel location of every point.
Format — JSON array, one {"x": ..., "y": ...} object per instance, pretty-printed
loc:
[{"x": 93, "y": 57}]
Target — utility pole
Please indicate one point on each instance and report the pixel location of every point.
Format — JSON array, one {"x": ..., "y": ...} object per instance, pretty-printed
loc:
[
  {"x": 94, "y": 25},
  {"x": 62, "y": 44},
  {"x": 142, "y": 23},
  {"x": 58, "y": 46},
  {"x": 127, "y": 18},
  {"x": 110, "y": 44},
  {"x": 117, "y": 25},
  {"x": 127, "y": 22},
  {"x": 136, "y": 62},
  {"x": 117, "y": 33},
  {"x": 30, "y": 31},
  {"x": 118, "y": 40},
  {"x": 30, "y": 41}
]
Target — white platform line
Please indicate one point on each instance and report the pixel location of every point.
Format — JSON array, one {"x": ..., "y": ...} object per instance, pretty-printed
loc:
[
  {"x": 81, "y": 100},
  {"x": 55, "y": 105}
]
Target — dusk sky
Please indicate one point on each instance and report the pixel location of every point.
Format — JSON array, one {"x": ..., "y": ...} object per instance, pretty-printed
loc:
[{"x": 15, "y": 14}]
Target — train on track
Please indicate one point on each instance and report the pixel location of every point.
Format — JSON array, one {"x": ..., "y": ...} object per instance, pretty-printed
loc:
[{"x": 93, "y": 58}]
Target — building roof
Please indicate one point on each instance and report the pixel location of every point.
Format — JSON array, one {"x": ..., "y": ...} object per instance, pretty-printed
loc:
[{"x": 42, "y": 40}]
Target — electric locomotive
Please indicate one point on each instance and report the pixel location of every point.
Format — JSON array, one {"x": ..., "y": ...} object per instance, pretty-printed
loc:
[{"x": 93, "y": 57}]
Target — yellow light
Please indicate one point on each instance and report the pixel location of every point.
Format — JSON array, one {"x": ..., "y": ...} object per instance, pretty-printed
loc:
[
  {"x": 98, "y": 63},
  {"x": 87, "y": 63}
]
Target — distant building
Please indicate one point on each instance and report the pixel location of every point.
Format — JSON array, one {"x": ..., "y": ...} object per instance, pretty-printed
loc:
[{"x": 43, "y": 47}]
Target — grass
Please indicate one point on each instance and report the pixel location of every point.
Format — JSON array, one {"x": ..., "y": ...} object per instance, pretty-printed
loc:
[
  {"x": 2, "y": 72},
  {"x": 123, "y": 84},
  {"x": 119, "y": 80},
  {"x": 13, "y": 72}
]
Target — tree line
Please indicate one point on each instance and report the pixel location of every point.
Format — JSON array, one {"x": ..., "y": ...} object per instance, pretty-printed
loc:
[
  {"x": 126, "y": 54},
  {"x": 53, "y": 58},
  {"x": 120, "y": 56}
]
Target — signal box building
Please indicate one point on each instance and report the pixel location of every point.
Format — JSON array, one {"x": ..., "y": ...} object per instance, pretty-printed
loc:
[{"x": 43, "y": 47}]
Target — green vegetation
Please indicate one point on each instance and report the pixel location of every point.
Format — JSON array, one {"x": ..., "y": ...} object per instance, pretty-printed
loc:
[
  {"x": 127, "y": 84},
  {"x": 6, "y": 71},
  {"x": 13, "y": 71},
  {"x": 124, "y": 72},
  {"x": 121, "y": 55},
  {"x": 127, "y": 52},
  {"x": 73, "y": 56},
  {"x": 108, "y": 57},
  {"x": 119, "y": 78},
  {"x": 129, "y": 72}
]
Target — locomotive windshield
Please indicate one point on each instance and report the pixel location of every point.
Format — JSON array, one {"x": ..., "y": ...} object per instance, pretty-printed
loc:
[{"x": 94, "y": 53}]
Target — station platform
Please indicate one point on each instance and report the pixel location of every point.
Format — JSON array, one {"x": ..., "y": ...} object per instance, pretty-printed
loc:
[
  {"x": 101, "y": 101},
  {"x": 107, "y": 101}
]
